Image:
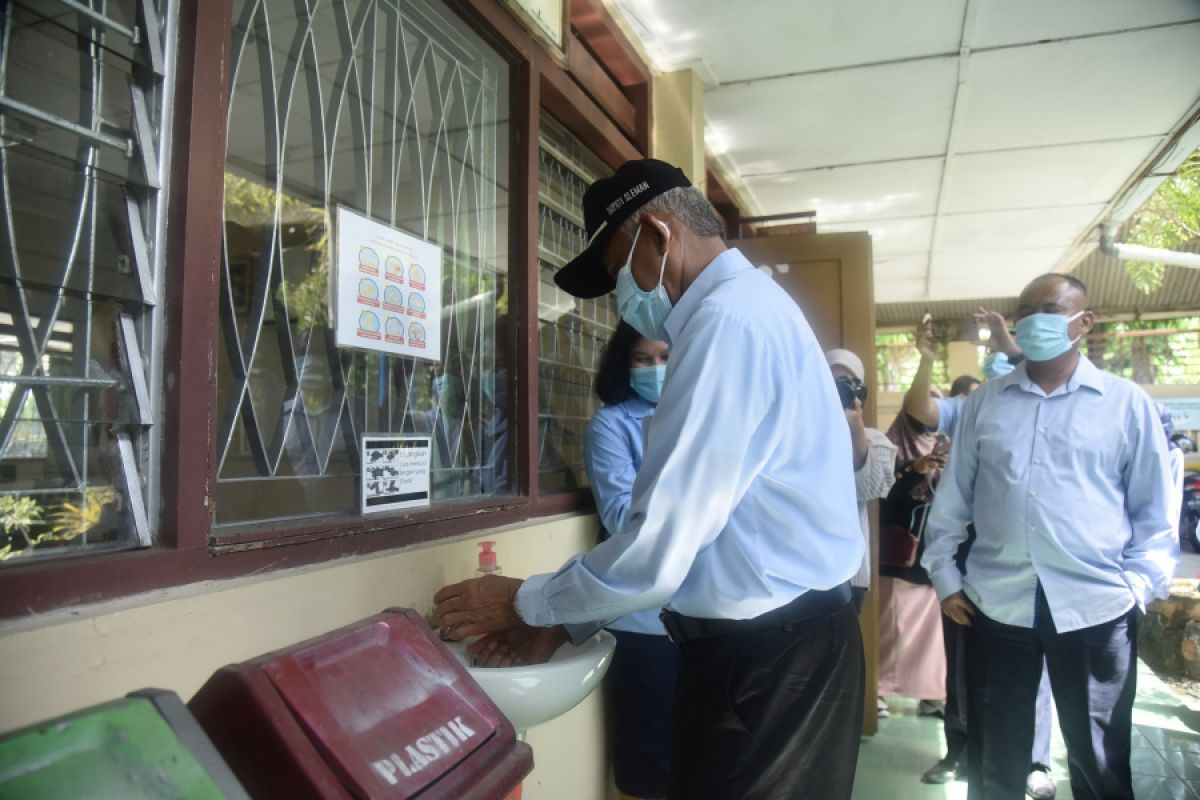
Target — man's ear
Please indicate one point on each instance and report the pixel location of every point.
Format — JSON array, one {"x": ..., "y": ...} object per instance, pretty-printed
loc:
[
  {"x": 1087, "y": 322},
  {"x": 657, "y": 226}
]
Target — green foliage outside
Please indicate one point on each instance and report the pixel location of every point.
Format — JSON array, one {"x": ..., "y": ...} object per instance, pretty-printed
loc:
[
  {"x": 1171, "y": 217},
  {"x": 896, "y": 360},
  {"x": 20, "y": 516},
  {"x": 1162, "y": 357}
]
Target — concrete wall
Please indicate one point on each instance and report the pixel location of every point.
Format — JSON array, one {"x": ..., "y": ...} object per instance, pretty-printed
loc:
[{"x": 176, "y": 638}]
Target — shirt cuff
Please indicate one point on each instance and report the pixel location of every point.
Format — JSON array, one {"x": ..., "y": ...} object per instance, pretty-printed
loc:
[
  {"x": 1139, "y": 587},
  {"x": 946, "y": 581},
  {"x": 582, "y": 631},
  {"x": 531, "y": 603}
]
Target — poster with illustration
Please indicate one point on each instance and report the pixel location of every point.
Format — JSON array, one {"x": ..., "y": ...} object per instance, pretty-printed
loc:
[
  {"x": 386, "y": 279},
  {"x": 395, "y": 473}
]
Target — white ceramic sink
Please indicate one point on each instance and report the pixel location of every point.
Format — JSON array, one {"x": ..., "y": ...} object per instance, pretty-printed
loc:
[{"x": 529, "y": 696}]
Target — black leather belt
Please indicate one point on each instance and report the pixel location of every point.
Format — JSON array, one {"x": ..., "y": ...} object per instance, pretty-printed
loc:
[{"x": 810, "y": 605}]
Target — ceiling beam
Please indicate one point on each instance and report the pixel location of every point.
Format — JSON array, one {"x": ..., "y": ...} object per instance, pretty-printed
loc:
[{"x": 970, "y": 16}]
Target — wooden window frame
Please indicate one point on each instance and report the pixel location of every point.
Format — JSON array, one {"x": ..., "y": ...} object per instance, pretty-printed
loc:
[{"x": 605, "y": 102}]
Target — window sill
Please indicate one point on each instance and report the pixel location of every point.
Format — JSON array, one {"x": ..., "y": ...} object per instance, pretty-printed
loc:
[{"x": 39, "y": 587}]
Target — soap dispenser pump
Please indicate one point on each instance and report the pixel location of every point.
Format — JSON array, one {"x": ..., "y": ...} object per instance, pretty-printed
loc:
[{"x": 487, "y": 560}]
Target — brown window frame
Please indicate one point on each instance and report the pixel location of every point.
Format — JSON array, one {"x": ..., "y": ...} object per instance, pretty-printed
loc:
[{"x": 607, "y": 68}]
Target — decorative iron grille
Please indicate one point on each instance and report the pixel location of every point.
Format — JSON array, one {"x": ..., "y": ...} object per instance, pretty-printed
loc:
[
  {"x": 572, "y": 332},
  {"x": 82, "y": 147},
  {"x": 397, "y": 111}
]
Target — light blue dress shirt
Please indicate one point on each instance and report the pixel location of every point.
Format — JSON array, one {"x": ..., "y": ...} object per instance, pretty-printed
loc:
[
  {"x": 1071, "y": 489},
  {"x": 613, "y": 456},
  {"x": 745, "y": 499}
]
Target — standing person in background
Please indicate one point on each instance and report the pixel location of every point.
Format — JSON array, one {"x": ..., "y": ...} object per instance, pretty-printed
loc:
[
  {"x": 1063, "y": 470},
  {"x": 943, "y": 415},
  {"x": 910, "y": 628},
  {"x": 641, "y": 678},
  {"x": 874, "y": 456}
]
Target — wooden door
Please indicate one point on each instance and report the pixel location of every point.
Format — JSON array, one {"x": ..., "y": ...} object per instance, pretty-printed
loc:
[{"x": 830, "y": 277}]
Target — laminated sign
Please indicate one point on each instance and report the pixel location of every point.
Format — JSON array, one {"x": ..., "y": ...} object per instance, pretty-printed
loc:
[
  {"x": 395, "y": 472},
  {"x": 388, "y": 289}
]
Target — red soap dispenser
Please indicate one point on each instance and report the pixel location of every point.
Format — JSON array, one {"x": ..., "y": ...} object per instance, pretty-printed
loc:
[{"x": 487, "y": 560}]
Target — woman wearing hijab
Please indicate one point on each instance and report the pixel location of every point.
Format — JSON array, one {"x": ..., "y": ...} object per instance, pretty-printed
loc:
[
  {"x": 911, "y": 658},
  {"x": 641, "y": 679}
]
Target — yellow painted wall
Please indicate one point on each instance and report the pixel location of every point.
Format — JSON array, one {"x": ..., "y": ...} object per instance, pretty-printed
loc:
[
  {"x": 175, "y": 639},
  {"x": 679, "y": 122},
  {"x": 962, "y": 358}
]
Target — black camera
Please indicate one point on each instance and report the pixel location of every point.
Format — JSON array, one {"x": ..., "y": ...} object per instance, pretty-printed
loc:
[{"x": 850, "y": 388}]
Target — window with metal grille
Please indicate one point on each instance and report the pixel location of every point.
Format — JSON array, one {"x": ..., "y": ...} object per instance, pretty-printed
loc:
[
  {"x": 398, "y": 111},
  {"x": 83, "y": 141},
  {"x": 572, "y": 332}
]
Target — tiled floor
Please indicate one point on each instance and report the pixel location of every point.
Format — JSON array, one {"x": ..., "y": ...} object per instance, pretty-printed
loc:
[{"x": 1166, "y": 751}]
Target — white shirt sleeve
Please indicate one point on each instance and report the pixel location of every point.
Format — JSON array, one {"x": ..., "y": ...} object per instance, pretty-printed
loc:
[{"x": 696, "y": 468}]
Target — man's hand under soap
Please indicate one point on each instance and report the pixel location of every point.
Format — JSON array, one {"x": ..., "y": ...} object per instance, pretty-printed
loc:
[{"x": 477, "y": 606}]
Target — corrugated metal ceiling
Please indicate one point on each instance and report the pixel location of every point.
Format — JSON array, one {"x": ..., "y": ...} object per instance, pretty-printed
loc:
[{"x": 1109, "y": 288}]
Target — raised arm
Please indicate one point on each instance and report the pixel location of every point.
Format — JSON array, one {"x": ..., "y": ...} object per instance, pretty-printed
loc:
[
  {"x": 917, "y": 400},
  {"x": 1001, "y": 340}
]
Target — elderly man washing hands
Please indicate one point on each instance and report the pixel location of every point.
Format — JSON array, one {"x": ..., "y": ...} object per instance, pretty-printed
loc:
[{"x": 743, "y": 523}]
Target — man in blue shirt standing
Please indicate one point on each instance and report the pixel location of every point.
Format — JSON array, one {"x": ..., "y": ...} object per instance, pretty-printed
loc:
[
  {"x": 1063, "y": 470},
  {"x": 743, "y": 521}
]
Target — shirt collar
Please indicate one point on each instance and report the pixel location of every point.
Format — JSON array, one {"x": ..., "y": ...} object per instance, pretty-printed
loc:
[
  {"x": 1086, "y": 374},
  {"x": 724, "y": 266},
  {"x": 636, "y": 406}
]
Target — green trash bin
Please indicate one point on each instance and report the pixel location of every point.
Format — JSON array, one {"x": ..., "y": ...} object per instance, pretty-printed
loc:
[{"x": 146, "y": 745}]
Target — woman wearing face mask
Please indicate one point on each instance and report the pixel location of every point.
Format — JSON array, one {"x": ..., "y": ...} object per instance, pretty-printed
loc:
[{"x": 645, "y": 664}]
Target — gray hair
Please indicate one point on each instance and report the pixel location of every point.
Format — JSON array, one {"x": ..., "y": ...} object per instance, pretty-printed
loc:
[{"x": 689, "y": 206}]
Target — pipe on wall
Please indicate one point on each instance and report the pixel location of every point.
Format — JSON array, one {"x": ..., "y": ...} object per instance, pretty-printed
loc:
[{"x": 1136, "y": 252}]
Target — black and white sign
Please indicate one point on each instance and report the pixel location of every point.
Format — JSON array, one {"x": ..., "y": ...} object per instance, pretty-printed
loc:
[{"x": 395, "y": 472}]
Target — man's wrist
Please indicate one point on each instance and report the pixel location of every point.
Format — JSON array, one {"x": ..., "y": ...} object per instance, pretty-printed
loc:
[{"x": 946, "y": 581}]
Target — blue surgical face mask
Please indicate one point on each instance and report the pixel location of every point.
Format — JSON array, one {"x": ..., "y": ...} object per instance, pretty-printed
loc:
[
  {"x": 1043, "y": 337},
  {"x": 645, "y": 311},
  {"x": 996, "y": 365},
  {"x": 648, "y": 381}
]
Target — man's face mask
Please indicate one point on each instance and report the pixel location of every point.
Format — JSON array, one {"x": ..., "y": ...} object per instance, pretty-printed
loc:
[
  {"x": 645, "y": 311},
  {"x": 1043, "y": 337}
]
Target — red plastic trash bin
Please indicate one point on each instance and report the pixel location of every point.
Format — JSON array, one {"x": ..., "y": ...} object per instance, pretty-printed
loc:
[{"x": 378, "y": 709}]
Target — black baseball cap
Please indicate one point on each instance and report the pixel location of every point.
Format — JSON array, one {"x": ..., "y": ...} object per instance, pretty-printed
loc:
[{"x": 606, "y": 204}]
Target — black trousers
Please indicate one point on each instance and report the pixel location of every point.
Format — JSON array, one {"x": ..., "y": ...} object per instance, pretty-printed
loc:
[
  {"x": 770, "y": 714},
  {"x": 1093, "y": 675},
  {"x": 640, "y": 685},
  {"x": 954, "y": 725}
]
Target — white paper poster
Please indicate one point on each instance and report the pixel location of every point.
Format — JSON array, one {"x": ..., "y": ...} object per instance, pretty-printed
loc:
[
  {"x": 395, "y": 472},
  {"x": 388, "y": 289}
]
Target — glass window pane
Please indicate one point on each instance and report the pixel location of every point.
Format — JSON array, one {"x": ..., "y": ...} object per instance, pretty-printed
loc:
[
  {"x": 572, "y": 332},
  {"x": 78, "y": 278},
  {"x": 405, "y": 120}
]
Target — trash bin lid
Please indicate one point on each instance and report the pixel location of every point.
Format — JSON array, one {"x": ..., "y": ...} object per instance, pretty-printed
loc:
[{"x": 120, "y": 749}]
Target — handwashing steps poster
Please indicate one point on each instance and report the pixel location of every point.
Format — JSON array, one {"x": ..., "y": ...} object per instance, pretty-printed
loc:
[{"x": 388, "y": 289}]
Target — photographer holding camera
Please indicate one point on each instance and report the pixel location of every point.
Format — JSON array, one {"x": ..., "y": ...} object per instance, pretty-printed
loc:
[{"x": 874, "y": 455}]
